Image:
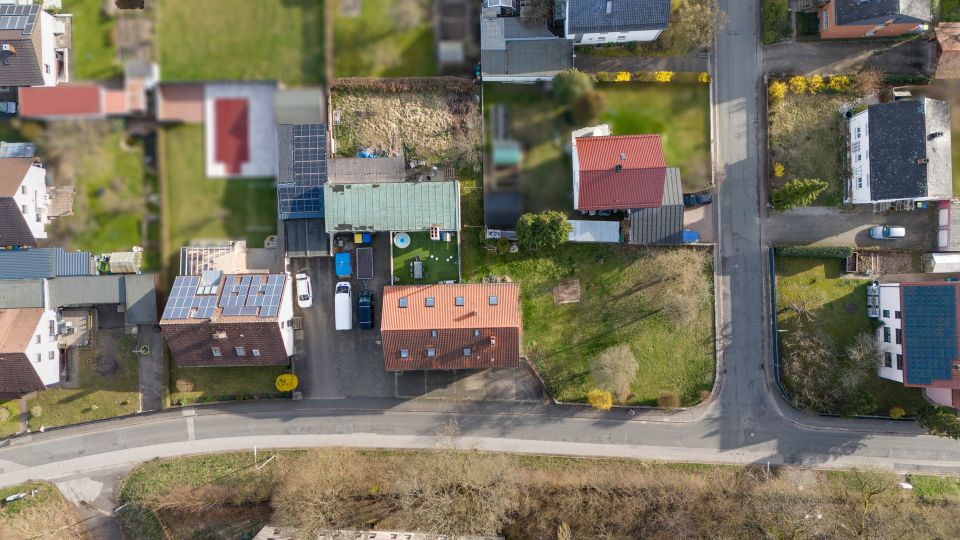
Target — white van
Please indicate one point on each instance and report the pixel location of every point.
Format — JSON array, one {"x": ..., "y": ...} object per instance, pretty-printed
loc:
[{"x": 343, "y": 305}]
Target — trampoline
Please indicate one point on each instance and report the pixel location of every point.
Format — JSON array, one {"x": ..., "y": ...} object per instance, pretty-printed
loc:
[{"x": 401, "y": 240}]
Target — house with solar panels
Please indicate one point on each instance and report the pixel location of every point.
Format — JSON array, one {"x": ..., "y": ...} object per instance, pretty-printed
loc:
[
  {"x": 34, "y": 46},
  {"x": 216, "y": 319},
  {"x": 919, "y": 336},
  {"x": 26, "y": 203}
]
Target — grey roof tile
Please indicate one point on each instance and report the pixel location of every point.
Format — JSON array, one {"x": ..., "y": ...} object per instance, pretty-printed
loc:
[
  {"x": 591, "y": 16},
  {"x": 662, "y": 225},
  {"x": 880, "y": 11}
]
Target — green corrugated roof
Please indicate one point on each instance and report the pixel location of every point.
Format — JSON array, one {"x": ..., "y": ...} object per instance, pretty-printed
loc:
[{"x": 402, "y": 206}]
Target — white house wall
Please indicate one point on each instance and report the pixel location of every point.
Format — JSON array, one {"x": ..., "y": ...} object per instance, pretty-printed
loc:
[
  {"x": 889, "y": 308},
  {"x": 43, "y": 351},
  {"x": 602, "y": 130},
  {"x": 860, "y": 159},
  {"x": 32, "y": 195},
  {"x": 616, "y": 37},
  {"x": 48, "y": 56}
]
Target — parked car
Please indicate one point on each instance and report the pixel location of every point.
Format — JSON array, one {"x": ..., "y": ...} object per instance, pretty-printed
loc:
[
  {"x": 887, "y": 232},
  {"x": 343, "y": 306},
  {"x": 697, "y": 199},
  {"x": 304, "y": 291},
  {"x": 9, "y": 107},
  {"x": 365, "y": 310}
]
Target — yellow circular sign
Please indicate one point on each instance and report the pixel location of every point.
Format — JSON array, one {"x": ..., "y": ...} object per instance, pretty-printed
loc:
[{"x": 287, "y": 382}]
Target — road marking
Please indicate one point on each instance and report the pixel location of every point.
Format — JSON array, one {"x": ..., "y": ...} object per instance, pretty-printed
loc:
[
  {"x": 191, "y": 436},
  {"x": 189, "y": 412}
]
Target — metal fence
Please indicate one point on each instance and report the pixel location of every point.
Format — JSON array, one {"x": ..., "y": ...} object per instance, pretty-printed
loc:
[{"x": 773, "y": 323}]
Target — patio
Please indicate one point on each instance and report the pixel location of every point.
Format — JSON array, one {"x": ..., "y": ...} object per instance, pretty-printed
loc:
[{"x": 426, "y": 261}]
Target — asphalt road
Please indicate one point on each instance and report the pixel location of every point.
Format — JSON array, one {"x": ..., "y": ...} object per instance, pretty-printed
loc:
[{"x": 747, "y": 422}]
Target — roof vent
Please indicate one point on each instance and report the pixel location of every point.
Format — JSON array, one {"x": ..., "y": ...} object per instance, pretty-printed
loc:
[
  {"x": 6, "y": 51},
  {"x": 619, "y": 167},
  {"x": 493, "y": 340},
  {"x": 623, "y": 156},
  {"x": 609, "y": 6},
  {"x": 923, "y": 161},
  {"x": 934, "y": 135}
]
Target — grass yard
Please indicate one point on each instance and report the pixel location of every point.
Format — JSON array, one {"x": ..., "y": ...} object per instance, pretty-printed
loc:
[
  {"x": 241, "y": 40},
  {"x": 561, "y": 339},
  {"x": 839, "y": 311},
  {"x": 806, "y": 135},
  {"x": 44, "y": 512},
  {"x": 441, "y": 125},
  {"x": 199, "y": 385},
  {"x": 440, "y": 259},
  {"x": 387, "y": 38},
  {"x": 109, "y": 385},
  {"x": 679, "y": 112},
  {"x": 936, "y": 489},
  {"x": 950, "y": 10},
  {"x": 11, "y": 424},
  {"x": 92, "y": 56},
  {"x": 200, "y": 209}
]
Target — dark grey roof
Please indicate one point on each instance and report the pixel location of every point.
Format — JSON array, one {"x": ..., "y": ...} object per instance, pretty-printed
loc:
[
  {"x": 591, "y": 16},
  {"x": 534, "y": 58},
  {"x": 514, "y": 29},
  {"x": 14, "y": 230},
  {"x": 904, "y": 164},
  {"x": 20, "y": 26},
  {"x": 140, "y": 298},
  {"x": 502, "y": 209},
  {"x": 86, "y": 291},
  {"x": 662, "y": 225},
  {"x": 672, "y": 188},
  {"x": 306, "y": 238},
  {"x": 44, "y": 263},
  {"x": 881, "y": 11},
  {"x": 366, "y": 170},
  {"x": 21, "y": 293}
]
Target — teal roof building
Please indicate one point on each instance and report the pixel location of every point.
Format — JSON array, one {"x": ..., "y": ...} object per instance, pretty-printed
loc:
[{"x": 396, "y": 206}]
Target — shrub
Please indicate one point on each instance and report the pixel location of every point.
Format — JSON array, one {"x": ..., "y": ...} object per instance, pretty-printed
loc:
[
  {"x": 798, "y": 85},
  {"x": 897, "y": 413},
  {"x": 776, "y": 16},
  {"x": 779, "y": 170},
  {"x": 869, "y": 82},
  {"x": 614, "y": 370},
  {"x": 643, "y": 76},
  {"x": 184, "y": 385},
  {"x": 4, "y": 414},
  {"x": 777, "y": 91},
  {"x": 663, "y": 76},
  {"x": 622, "y": 76},
  {"x": 668, "y": 400},
  {"x": 938, "y": 421},
  {"x": 799, "y": 192},
  {"x": 600, "y": 400},
  {"x": 603, "y": 76},
  {"x": 588, "y": 107},
  {"x": 570, "y": 84},
  {"x": 704, "y": 77},
  {"x": 36, "y": 411},
  {"x": 839, "y": 83},
  {"x": 503, "y": 246},
  {"x": 815, "y": 84},
  {"x": 548, "y": 230},
  {"x": 816, "y": 252}
]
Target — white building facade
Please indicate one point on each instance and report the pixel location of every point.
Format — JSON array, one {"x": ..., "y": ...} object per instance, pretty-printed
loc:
[
  {"x": 33, "y": 199},
  {"x": 885, "y": 298}
]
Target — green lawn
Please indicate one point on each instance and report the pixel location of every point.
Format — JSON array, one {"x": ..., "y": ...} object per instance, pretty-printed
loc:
[
  {"x": 388, "y": 39},
  {"x": 806, "y": 135},
  {"x": 440, "y": 259},
  {"x": 198, "y": 385},
  {"x": 93, "y": 56},
  {"x": 949, "y": 10},
  {"x": 12, "y": 424},
  {"x": 839, "y": 308},
  {"x": 561, "y": 339},
  {"x": 109, "y": 385},
  {"x": 42, "y": 513},
  {"x": 197, "y": 208},
  {"x": 241, "y": 40},
  {"x": 679, "y": 112},
  {"x": 936, "y": 489}
]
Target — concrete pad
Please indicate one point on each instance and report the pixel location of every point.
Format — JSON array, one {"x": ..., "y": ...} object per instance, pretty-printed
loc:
[
  {"x": 700, "y": 219},
  {"x": 410, "y": 384}
]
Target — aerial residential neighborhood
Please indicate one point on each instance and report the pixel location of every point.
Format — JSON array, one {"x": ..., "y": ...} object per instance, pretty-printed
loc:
[{"x": 489, "y": 269}]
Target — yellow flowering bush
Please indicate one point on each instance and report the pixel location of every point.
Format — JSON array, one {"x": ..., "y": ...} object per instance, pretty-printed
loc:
[{"x": 663, "y": 76}]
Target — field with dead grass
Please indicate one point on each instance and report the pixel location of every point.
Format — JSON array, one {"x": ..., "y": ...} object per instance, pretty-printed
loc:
[
  {"x": 521, "y": 497},
  {"x": 436, "y": 122},
  {"x": 42, "y": 513}
]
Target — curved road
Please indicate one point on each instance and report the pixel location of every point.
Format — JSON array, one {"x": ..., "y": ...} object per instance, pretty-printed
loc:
[{"x": 746, "y": 422}]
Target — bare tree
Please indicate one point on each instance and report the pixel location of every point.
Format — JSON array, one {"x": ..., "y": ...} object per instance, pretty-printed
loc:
[
  {"x": 683, "y": 286},
  {"x": 696, "y": 21},
  {"x": 614, "y": 370},
  {"x": 869, "y": 81},
  {"x": 537, "y": 12}
]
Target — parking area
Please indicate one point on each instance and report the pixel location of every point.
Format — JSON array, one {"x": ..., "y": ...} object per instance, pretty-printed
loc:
[
  {"x": 335, "y": 364},
  {"x": 833, "y": 227}
]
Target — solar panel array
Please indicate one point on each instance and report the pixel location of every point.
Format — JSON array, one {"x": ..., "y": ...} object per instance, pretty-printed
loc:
[
  {"x": 303, "y": 198},
  {"x": 246, "y": 295},
  {"x": 185, "y": 303},
  {"x": 250, "y": 296},
  {"x": 929, "y": 332},
  {"x": 13, "y": 17}
]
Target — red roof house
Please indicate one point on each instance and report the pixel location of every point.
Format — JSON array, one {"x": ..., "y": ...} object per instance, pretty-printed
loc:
[
  {"x": 617, "y": 172},
  {"x": 461, "y": 326}
]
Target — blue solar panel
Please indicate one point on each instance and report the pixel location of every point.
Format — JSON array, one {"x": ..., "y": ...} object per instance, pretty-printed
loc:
[
  {"x": 186, "y": 303},
  {"x": 303, "y": 197},
  {"x": 929, "y": 332},
  {"x": 252, "y": 295}
]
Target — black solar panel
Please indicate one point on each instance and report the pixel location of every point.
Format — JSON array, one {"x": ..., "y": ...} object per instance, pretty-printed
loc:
[
  {"x": 244, "y": 296},
  {"x": 14, "y": 17},
  {"x": 186, "y": 303},
  {"x": 303, "y": 198}
]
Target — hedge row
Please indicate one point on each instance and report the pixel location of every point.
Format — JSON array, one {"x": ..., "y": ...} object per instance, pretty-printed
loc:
[
  {"x": 458, "y": 85},
  {"x": 839, "y": 252}
]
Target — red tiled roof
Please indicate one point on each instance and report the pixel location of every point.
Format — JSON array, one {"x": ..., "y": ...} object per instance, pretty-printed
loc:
[
  {"x": 233, "y": 122},
  {"x": 434, "y": 337},
  {"x": 64, "y": 100},
  {"x": 639, "y": 183}
]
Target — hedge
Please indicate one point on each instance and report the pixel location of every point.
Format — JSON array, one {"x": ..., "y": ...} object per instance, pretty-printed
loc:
[{"x": 817, "y": 252}]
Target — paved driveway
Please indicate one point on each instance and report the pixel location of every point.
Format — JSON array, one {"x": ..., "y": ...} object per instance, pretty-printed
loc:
[
  {"x": 826, "y": 57},
  {"x": 833, "y": 227}
]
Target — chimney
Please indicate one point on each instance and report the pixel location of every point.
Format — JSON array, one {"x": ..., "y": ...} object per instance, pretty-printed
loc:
[{"x": 922, "y": 161}]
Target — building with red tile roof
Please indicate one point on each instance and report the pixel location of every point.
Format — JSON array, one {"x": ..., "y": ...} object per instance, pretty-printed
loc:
[
  {"x": 451, "y": 326},
  {"x": 623, "y": 172}
]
